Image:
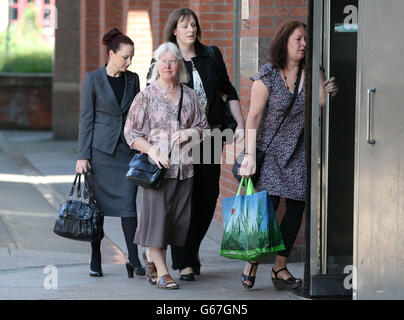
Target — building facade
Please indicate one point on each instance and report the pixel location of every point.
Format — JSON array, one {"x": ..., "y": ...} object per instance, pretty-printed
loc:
[{"x": 45, "y": 11}]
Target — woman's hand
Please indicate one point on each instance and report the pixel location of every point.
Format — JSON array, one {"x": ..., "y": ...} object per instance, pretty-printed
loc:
[
  {"x": 248, "y": 166},
  {"x": 82, "y": 165},
  {"x": 239, "y": 134},
  {"x": 159, "y": 158},
  {"x": 184, "y": 135},
  {"x": 180, "y": 136},
  {"x": 330, "y": 87}
]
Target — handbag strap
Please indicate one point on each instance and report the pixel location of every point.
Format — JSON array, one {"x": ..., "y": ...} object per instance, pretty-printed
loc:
[
  {"x": 179, "y": 111},
  {"x": 87, "y": 192},
  {"x": 180, "y": 106},
  {"x": 292, "y": 102},
  {"x": 70, "y": 196}
]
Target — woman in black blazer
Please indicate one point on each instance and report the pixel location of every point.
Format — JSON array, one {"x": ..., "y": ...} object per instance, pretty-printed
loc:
[
  {"x": 209, "y": 79},
  {"x": 102, "y": 150}
]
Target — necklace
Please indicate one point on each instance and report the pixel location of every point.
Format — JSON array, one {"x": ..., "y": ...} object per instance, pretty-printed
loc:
[
  {"x": 286, "y": 79},
  {"x": 175, "y": 90}
]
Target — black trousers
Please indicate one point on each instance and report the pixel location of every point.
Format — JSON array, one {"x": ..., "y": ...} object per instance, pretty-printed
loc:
[
  {"x": 204, "y": 197},
  {"x": 291, "y": 222}
]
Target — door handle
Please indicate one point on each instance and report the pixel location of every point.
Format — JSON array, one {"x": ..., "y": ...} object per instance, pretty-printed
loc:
[{"x": 369, "y": 140}]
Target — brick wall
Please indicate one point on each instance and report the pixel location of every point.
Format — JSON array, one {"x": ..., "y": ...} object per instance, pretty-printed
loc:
[{"x": 25, "y": 101}]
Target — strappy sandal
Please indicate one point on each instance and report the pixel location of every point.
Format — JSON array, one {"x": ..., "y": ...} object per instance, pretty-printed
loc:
[
  {"x": 249, "y": 278},
  {"x": 165, "y": 281},
  {"x": 289, "y": 284},
  {"x": 151, "y": 270}
]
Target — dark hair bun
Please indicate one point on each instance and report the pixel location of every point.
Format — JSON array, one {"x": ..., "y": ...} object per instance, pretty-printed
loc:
[{"x": 110, "y": 35}]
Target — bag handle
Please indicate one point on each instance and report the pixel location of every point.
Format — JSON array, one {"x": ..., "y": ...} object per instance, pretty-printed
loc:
[
  {"x": 87, "y": 192},
  {"x": 249, "y": 187},
  {"x": 70, "y": 196}
]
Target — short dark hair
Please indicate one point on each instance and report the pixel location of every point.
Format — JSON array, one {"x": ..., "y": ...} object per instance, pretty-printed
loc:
[
  {"x": 114, "y": 38},
  {"x": 278, "y": 48},
  {"x": 172, "y": 23}
]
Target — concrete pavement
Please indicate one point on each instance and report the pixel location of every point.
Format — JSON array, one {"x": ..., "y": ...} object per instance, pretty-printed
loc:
[{"x": 36, "y": 173}]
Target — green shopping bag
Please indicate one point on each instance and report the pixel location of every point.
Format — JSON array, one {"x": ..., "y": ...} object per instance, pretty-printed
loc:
[{"x": 251, "y": 231}]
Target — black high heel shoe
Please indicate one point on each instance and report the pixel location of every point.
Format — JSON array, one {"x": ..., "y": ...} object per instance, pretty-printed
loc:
[
  {"x": 95, "y": 273},
  {"x": 289, "y": 284},
  {"x": 197, "y": 268},
  {"x": 140, "y": 271},
  {"x": 249, "y": 278}
]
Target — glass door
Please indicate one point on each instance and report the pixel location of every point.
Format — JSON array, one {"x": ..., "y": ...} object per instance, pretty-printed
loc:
[
  {"x": 339, "y": 136},
  {"x": 334, "y": 243}
]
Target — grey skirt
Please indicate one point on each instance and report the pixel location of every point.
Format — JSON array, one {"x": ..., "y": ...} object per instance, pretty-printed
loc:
[
  {"x": 115, "y": 195},
  {"x": 165, "y": 214}
]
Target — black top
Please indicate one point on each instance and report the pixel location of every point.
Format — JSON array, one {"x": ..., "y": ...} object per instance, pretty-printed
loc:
[
  {"x": 118, "y": 85},
  {"x": 190, "y": 82},
  {"x": 215, "y": 80}
]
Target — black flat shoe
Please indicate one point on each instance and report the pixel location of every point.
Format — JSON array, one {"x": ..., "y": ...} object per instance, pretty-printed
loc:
[
  {"x": 249, "y": 278},
  {"x": 139, "y": 271},
  {"x": 96, "y": 273},
  {"x": 188, "y": 277},
  {"x": 290, "y": 283}
]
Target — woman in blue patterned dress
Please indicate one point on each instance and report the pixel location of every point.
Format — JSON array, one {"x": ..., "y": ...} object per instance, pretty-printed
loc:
[{"x": 283, "y": 173}]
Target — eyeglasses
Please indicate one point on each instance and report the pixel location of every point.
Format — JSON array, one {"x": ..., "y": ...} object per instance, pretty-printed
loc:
[{"x": 171, "y": 62}]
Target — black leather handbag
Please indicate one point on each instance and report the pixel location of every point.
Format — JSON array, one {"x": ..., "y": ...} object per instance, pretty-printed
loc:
[
  {"x": 145, "y": 173},
  {"x": 80, "y": 219},
  {"x": 260, "y": 154}
]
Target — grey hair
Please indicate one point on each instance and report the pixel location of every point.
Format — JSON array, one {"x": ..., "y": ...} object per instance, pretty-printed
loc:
[{"x": 183, "y": 76}]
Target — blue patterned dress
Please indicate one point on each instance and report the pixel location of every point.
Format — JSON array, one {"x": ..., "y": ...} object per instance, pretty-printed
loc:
[{"x": 283, "y": 172}]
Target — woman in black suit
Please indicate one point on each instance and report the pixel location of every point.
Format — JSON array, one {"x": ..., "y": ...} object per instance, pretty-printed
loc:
[
  {"x": 209, "y": 79},
  {"x": 102, "y": 150}
]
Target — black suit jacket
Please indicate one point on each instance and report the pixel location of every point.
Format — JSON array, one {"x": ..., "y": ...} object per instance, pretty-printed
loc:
[
  {"x": 102, "y": 119},
  {"x": 215, "y": 79}
]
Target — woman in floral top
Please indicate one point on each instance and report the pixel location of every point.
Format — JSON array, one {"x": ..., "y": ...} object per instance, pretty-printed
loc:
[
  {"x": 283, "y": 172},
  {"x": 151, "y": 127}
]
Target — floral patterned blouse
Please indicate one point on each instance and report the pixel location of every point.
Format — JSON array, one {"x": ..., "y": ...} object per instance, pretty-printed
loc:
[{"x": 153, "y": 117}]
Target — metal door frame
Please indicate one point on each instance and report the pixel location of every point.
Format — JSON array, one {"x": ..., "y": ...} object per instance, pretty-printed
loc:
[
  {"x": 321, "y": 283},
  {"x": 316, "y": 169}
]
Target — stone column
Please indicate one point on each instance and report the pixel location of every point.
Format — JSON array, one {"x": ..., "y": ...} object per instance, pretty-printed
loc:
[{"x": 66, "y": 74}]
